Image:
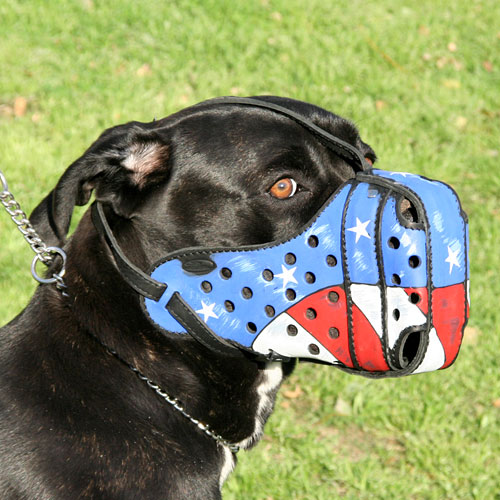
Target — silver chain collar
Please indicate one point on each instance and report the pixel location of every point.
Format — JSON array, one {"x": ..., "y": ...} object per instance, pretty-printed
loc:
[
  {"x": 43, "y": 253},
  {"x": 47, "y": 255},
  {"x": 174, "y": 402}
]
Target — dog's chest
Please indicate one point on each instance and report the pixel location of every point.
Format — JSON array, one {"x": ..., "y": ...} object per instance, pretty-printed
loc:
[{"x": 266, "y": 390}]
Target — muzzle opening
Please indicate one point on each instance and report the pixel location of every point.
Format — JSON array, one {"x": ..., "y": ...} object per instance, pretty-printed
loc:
[
  {"x": 408, "y": 212},
  {"x": 408, "y": 348}
]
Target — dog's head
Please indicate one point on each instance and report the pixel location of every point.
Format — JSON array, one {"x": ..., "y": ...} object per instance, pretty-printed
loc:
[
  {"x": 242, "y": 172},
  {"x": 210, "y": 175}
]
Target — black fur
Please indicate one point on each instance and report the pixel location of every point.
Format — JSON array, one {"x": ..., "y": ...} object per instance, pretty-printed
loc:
[{"x": 75, "y": 422}]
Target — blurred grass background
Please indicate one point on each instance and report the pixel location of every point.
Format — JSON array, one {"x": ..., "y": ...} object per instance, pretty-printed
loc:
[{"x": 422, "y": 82}]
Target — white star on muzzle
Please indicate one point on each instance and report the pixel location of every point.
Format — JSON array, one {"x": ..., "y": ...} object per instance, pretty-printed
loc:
[
  {"x": 207, "y": 311},
  {"x": 360, "y": 229},
  {"x": 287, "y": 275},
  {"x": 452, "y": 258}
]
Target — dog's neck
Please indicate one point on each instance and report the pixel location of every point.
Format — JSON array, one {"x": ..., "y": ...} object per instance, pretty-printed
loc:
[{"x": 233, "y": 396}]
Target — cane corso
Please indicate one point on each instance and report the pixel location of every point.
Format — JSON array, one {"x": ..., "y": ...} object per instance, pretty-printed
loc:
[{"x": 76, "y": 421}]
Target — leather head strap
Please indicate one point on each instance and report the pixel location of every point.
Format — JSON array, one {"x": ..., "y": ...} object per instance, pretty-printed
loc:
[{"x": 347, "y": 151}]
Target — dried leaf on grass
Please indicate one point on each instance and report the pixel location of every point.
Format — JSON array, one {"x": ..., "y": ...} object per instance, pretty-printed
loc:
[
  {"x": 144, "y": 70},
  {"x": 293, "y": 394},
  {"x": 471, "y": 335},
  {"x": 488, "y": 66},
  {"x": 20, "y": 106},
  {"x": 461, "y": 122},
  {"x": 342, "y": 408},
  {"x": 451, "y": 84}
]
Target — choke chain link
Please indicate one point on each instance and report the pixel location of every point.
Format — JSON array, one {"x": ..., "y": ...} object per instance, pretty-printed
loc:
[{"x": 42, "y": 252}]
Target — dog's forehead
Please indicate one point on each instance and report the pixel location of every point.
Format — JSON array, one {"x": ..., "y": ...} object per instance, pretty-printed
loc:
[{"x": 247, "y": 136}]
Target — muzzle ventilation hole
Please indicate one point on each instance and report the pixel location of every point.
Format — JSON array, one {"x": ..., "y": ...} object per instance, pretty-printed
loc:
[
  {"x": 396, "y": 314},
  {"x": 333, "y": 297},
  {"x": 311, "y": 313},
  {"x": 229, "y": 306},
  {"x": 333, "y": 332},
  {"x": 415, "y": 298},
  {"x": 291, "y": 330},
  {"x": 267, "y": 274},
  {"x": 246, "y": 292},
  {"x": 206, "y": 286},
  {"x": 313, "y": 241},
  {"x": 310, "y": 278},
  {"x": 393, "y": 243},
  {"x": 313, "y": 349},
  {"x": 251, "y": 327},
  {"x": 331, "y": 261},
  {"x": 407, "y": 210},
  {"x": 290, "y": 294},
  {"x": 225, "y": 273},
  {"x": 270, "y": 312},
  {"x": 290, "y": 259},
  {"x": 414, "y": 261},
  {"x": 396, "y": 279}
]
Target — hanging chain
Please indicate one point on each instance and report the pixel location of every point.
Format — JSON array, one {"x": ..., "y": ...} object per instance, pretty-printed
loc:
[
  {"x": 47, "y": 255},
  {"x": 43, "y": 253},
  {"x": 174, "y": 402}
]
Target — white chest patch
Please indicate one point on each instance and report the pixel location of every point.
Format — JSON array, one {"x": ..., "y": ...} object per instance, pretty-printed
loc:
[
  {"x": 272, "y": 375},
  {"x": 227, "y": 465},
  {"x": 270, "y": 380}
]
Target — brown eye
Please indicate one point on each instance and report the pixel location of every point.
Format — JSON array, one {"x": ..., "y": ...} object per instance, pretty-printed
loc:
[{"x": 284, "y": 188}]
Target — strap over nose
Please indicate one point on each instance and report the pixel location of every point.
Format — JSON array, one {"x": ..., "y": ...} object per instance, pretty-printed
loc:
[{"x": 375, "y": 284}]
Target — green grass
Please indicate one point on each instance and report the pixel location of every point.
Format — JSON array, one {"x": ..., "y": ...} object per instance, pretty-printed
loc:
[{"x": 422, "y": 82}]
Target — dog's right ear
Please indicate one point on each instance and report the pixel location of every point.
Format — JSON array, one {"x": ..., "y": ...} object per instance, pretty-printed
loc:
[{"x": 124, "y": 160}]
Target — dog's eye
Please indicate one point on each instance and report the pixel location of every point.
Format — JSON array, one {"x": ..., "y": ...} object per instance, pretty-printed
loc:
[{"x": 284, "y": 188}]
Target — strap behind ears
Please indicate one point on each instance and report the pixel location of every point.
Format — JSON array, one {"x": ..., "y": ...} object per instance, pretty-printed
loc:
[
  {"x": 137, "y": 279},
  {"x": 342, "y": 148}
]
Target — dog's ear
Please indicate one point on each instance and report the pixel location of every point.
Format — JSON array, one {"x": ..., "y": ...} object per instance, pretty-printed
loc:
[{"x": 123, "y": 161}]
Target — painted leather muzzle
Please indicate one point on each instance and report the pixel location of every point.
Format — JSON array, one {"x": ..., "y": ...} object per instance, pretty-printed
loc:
[{"x": 375, "y": 284}]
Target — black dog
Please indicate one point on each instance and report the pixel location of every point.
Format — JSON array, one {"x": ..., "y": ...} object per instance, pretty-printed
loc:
[{"x": 75, "y": 421}]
